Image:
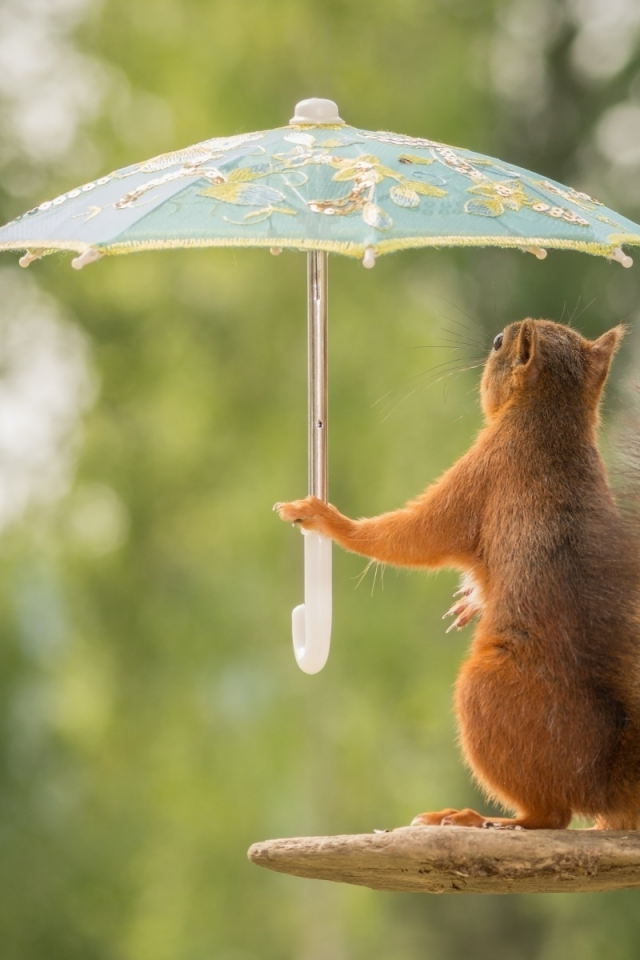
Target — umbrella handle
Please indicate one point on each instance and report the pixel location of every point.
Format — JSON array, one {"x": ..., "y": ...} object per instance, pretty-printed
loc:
[{"x": 311, "y": 620}]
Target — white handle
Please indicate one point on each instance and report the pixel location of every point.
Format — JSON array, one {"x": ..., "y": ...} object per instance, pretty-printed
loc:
[{"x": 311, "y": 620}]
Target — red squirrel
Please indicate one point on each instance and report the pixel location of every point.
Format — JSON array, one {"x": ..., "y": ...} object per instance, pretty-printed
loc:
[{"x": 548, "y": 699}]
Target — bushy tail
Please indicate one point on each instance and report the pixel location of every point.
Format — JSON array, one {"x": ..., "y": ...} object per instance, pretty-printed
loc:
[{"x": 625, "y": 472}]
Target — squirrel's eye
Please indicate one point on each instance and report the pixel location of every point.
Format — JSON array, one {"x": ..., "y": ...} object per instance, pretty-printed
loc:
[{"x": 497, "y": 343}]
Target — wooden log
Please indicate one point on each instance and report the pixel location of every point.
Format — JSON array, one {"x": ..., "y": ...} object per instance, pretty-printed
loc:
[{"x": 463, "y": 860}]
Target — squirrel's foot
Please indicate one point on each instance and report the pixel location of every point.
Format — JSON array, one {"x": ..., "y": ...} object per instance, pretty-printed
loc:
[
  {"x": 310, "y": 513},
  {"x": 449, "y": 818},
  {"x": 469, "y": 818},
  {"x": 465, "y": 818}
]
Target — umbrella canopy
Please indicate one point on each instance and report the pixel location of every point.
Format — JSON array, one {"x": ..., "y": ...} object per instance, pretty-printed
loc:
[{"x": 319, "y": 184}]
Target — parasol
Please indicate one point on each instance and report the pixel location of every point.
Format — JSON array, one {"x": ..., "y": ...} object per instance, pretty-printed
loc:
[{"x": 320, "y": 186}]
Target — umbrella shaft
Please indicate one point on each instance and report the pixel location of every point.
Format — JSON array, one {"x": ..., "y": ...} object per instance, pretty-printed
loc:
[{"x": 317, "y": 263}]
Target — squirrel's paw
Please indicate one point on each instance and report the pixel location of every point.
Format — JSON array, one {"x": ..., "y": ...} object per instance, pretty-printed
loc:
[
  {"x": 463, "y": 818},
  {"x": 308, "y": 513},
  {"x": 449, "y": 818},
  {"x": 468, "y": 606},
  {"x": 464, "y": 611}
]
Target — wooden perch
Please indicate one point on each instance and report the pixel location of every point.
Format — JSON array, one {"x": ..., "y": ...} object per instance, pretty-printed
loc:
[{"x": 463, "y": 860}]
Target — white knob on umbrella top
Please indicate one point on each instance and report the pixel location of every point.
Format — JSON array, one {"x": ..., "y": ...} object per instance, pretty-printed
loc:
[{"x": 317, "y": 111}]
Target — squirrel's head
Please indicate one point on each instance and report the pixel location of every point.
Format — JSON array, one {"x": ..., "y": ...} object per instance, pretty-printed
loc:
[{"x": 537, "y": 360}]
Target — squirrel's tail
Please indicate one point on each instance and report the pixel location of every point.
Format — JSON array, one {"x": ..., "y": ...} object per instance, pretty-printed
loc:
[{"x": 626, "y": 460}]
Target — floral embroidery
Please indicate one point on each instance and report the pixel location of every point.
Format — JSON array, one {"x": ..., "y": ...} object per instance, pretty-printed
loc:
[
  {"x": 501, "y": 195},
  {"x": 130, "y": 198},
  {"x": 387, "y": 190},
  {"x": 366, "y": 172},
  {"x": 398, "y": 139},
  {"x": 204, "y": 152},
  {"x": 498, "y": 196},
  {"x": 412, "y": 158},
  {"x": 568, "y": 193},
  {"x": 239, "y": 189}
]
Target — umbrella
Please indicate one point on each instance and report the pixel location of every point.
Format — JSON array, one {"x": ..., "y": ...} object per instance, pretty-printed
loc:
[{"x": 320, "y": 186}]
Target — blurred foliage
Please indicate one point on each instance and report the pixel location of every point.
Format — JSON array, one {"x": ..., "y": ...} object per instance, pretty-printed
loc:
[{"x": 152, "y": 719}]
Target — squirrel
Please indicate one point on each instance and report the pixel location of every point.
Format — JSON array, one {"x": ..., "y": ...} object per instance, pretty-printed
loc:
[{"x": 548, "y": 699}]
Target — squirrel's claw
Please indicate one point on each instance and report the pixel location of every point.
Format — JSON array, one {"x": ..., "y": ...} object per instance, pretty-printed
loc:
[
  {"x": 464, "y": 611},
  {"x": 467, "y": 607},
  {"x": 462, "y": 591},
  {"x": 456, "y": 609}
]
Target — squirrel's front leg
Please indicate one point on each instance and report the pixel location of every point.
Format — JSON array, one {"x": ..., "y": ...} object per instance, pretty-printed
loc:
[
  {"x": 421, "y": 534},
  {"x": 371, "y": 538}
]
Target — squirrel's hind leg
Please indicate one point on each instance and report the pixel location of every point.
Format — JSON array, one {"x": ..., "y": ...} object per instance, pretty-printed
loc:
[{"x": 469, "y": 818}]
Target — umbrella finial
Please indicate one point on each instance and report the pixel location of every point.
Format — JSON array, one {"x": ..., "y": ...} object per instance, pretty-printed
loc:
[
  {"x": 369, "y": 258},
  {"x": 538, "y": 252},
  {"x": 621, "y": 257},
  {"x": 30, "y": 256},
  {"x": 317, "y": 111},
  {"x": 89, "y": 256}
]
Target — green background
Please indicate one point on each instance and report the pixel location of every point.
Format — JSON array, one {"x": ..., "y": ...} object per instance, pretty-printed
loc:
[{"x": 153, "y": 722}]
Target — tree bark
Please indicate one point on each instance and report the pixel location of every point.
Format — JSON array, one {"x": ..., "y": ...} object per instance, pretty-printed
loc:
[{"x": 463, "y": 860}]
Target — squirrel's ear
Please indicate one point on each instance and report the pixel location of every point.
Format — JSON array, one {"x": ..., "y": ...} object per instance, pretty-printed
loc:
[
  {"x": 601, "y": 353},
  {"x": 527, "y": 349}
]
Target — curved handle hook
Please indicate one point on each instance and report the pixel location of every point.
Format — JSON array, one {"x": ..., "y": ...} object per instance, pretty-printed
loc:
[{"x": 311, "y": 620}]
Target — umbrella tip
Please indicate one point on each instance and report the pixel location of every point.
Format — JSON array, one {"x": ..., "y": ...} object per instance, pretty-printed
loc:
[
  {"x": 369, "y": 259},
  {"x": 538, "y": 252},
  {"x": 317, "y": 111},
  {"x": 621, "y": 257},
  {"x": 29, "y": 257},
  {"x": 89, "y": 256}
]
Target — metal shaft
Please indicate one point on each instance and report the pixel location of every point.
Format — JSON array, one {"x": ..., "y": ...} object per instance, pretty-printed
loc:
[{"x": 317, "y": 287}]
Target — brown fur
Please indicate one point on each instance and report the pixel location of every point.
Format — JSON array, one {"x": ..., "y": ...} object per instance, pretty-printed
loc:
[{"x": 548, "y": 700}]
